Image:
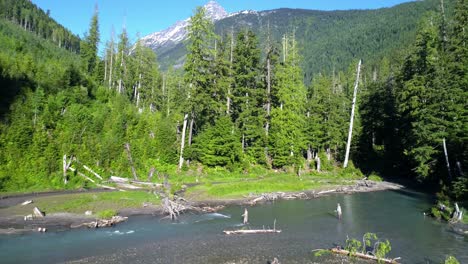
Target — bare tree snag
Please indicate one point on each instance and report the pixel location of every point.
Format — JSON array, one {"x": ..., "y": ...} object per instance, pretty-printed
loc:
[
  {"x": 65, "y": 168},
  {"x": 182, "y": 142},
  {"x": 353, "y": 106},
  {"x": 192, "y": 121},
  {"x": 150, "y": 174},
  {"x": 129, "y": 155},
  {"x": 446, "y": 158},
  {"x": 228, "y": 99},
  {"x": 317, "y": 160}
]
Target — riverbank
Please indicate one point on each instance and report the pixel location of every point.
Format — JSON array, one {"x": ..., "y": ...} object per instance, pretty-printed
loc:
[{"x": 63, "y": 210}]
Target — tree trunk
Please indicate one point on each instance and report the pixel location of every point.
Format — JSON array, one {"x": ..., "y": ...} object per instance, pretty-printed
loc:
[
  {"x": 228, "y": 99},
  {"x": 243, "y": 143},
  {"x": 267, "y": 126},
  {"x": 309, "y": 156},
  {"x": 138, "y": 91},
  {"x": 353, "y": 106},
  {"x": 65, "y": 168},
  {"x": 447, "y": 159},
  {"x": 317, "y": 159},
  {"x": 191, "y": 131},
  {"x": 129, "y": 155},
  {"x": 111, "y": 61},
  {"x": 182, "y": 142}
]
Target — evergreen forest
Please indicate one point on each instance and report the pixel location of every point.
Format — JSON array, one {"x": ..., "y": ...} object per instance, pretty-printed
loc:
[{"x": 241, "y": 102}]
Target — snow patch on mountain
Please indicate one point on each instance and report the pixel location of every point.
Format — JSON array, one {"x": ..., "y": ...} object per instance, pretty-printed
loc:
[{"x": 178, "y": 32}]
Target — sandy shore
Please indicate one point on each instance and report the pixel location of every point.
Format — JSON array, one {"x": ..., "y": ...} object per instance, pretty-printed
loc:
[{"x": 15, "y": 224}]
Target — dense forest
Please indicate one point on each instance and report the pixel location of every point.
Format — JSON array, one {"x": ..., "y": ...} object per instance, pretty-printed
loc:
[{"x": 236, "y": 105}]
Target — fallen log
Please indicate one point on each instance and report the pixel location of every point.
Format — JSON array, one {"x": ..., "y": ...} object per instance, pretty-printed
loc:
[
  {"x": 106, "y": 187},
  {"x": 324, "y": 192},
  {"x": 252, "y": 231},
  {"x": 364, "y": 256},
  {"x": 128, "y": 186},
  {"x": 27, "y": 202},
  {"x": 81, "y": 174},
  {"x": 37, "y": 212},
  {"x": 90, "y": 170},
  {"x": 147, "y": 183},
  {"x": 118, "y": 179}
]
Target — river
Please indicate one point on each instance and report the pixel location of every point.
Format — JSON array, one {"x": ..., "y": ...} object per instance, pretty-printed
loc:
[{"x": 305, "y": 224}]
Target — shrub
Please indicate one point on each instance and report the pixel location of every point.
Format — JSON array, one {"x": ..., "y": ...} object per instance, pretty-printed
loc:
[{"x": 106, "y": 214}]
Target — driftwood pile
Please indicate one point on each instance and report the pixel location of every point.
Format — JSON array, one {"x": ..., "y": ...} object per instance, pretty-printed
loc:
[
  {"x": 270, "y": 197},
  {"x": 174, "y": 208},
  {"x": 102, "y": 222}
]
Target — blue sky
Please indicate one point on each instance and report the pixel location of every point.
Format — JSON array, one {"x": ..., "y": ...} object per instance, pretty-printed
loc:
[{"x": 148, "y": 16}]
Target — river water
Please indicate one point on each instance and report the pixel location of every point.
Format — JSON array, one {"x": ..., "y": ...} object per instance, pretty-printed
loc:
[{"x": 305, "y": 224}]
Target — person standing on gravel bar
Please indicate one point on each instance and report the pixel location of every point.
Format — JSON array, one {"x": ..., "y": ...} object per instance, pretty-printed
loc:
[{"x": 338, "y": 211}]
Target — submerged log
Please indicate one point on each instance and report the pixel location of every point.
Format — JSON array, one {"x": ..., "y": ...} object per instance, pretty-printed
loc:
[
  {"x": 252, "y": 231},
  {"x": 364, "y": 256}
]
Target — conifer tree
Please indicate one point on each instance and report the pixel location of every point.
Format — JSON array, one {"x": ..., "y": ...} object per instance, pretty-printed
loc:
[
  {"x": 121, "y": 72},
  {"x": 248, "y": 96},
  {"x": 288, "y": 119},
  {"x": 203, "y": 103},
  {"x": 418, "y": 100},
  {"x": 89, "y": 46}
]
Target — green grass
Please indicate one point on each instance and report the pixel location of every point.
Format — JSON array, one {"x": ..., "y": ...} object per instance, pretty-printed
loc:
[
  {"x": 106, "y": 214},
  {"x": 233, "y": 187},
  {"x": 81, "y": 202}
]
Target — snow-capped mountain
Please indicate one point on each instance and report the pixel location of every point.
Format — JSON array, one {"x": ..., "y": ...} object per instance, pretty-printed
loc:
[{"x": 178, "y": 32}]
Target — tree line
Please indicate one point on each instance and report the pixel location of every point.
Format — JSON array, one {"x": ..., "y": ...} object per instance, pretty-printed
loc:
[{"x": 239, "y": 103}]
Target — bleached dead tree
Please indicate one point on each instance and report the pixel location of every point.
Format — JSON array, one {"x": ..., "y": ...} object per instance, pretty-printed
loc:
[
  {"x": 353, "y": 106},
  {"x": 182, "y": 142}
]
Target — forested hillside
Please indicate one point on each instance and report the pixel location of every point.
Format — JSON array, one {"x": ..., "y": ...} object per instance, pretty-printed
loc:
[
  {"x": 240, "y": 102},
  {"x": 328, "y": 40}
]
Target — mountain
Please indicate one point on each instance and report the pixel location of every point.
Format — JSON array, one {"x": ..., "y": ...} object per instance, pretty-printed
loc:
[
  {"x": 329, "y": 39},
  {"x": 168, "y": 39}
]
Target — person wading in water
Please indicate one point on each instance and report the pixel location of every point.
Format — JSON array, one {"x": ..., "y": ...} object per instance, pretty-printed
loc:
[{"x": 338, "y": 211}]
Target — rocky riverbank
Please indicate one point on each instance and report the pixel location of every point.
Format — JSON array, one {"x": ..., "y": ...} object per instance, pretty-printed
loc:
[{"x": 16, "y": 223}]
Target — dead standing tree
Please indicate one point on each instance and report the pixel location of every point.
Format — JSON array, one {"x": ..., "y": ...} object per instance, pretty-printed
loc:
[
  {"x": 130, "y": 160},
  {"x": 351, "y": 122}
]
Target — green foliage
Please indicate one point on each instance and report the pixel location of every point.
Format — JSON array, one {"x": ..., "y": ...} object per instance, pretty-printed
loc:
[
  {"x": 287, "y": 139},
  {"x": 248, "y": 97},
  {"x": 353, "y": 246},
  {"x": 374, "y": 177},
  {"x": 31, "y": 18},
  {"x": 382, "y": 249},
  {"x": 89, "y": 46},
  {"x": 367, "y": 240},
  {"x": 106, "y": 214},
  {"x": 218, "y": 145},
  {"x": 451, "y": 260},
  {"x": 322, "y": 252}
]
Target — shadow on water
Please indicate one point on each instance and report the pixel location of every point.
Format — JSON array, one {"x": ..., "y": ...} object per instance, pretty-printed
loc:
[{"x": 414, "y": 194}]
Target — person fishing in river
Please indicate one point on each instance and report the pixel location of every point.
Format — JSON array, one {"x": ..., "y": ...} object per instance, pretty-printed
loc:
[
  {"x": 246, "y": 216},
  {"x": 338, "y": 211}
]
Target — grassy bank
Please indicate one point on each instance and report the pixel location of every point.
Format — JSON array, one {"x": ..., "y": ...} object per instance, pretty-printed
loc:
[
  {"x": 199, "y": 184},
  {"x": 81, "y": 202}
]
